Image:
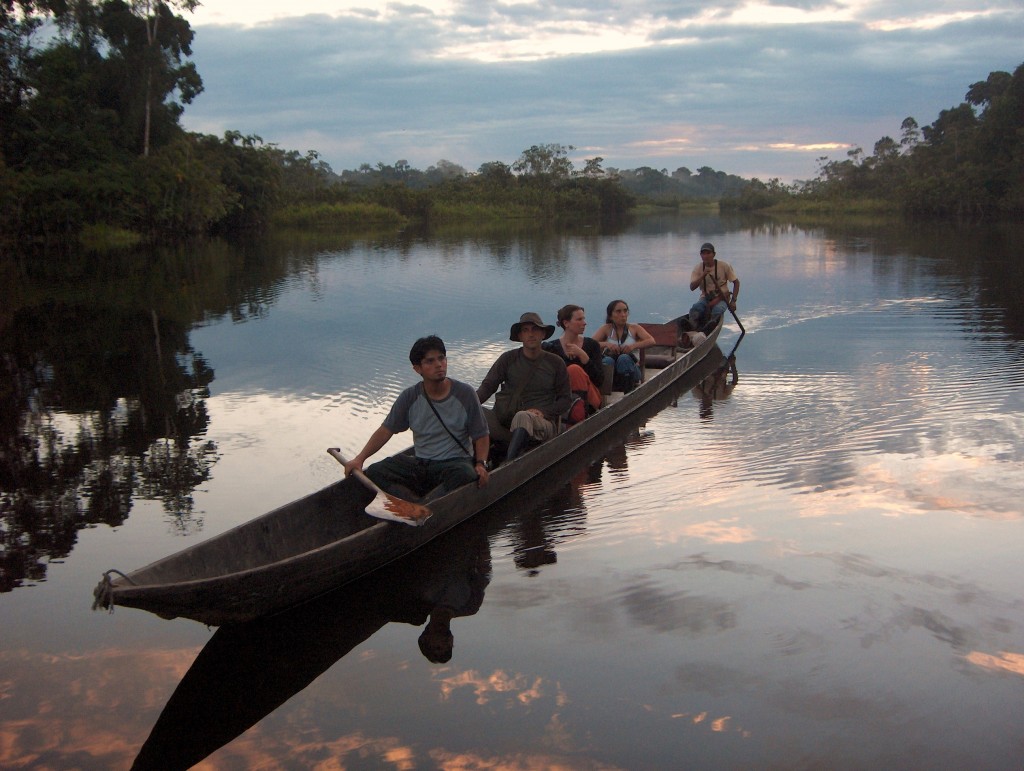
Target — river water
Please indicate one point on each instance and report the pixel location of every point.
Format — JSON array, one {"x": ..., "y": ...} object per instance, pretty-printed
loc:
[{"x": 807, "y": 557}]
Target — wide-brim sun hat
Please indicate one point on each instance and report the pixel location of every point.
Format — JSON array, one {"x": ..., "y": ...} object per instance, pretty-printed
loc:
[{"x": 530, "y": 318}]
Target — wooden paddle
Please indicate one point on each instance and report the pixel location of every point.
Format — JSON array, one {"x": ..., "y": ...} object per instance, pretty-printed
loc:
[
  {"x": 392, "y": 507},
  {"x": 742, "y": 330}
]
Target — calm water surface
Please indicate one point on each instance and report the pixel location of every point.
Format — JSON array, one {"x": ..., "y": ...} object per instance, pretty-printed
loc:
[{"x": 809, "y": 559}]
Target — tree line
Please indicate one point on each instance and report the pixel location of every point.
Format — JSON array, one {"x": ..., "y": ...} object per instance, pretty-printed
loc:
[
  {"x": 969, "y": 162},
  {"x": 645, "y": 183},
  {"x": 91, "y": 93}
]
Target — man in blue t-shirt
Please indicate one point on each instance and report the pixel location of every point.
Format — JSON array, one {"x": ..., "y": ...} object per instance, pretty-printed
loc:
[{"x": 449, "y": 431}]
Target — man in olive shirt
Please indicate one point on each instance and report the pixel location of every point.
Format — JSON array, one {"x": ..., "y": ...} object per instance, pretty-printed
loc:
[{"x": 534, "y": 388}]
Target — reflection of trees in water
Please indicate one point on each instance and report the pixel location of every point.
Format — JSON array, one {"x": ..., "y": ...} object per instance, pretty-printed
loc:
[
  {"x": 101, "y": 395},
  {"x": 542, "y": 250},
  {"x": 98, "y": 405},
  {"x": 980, "y": 260}
]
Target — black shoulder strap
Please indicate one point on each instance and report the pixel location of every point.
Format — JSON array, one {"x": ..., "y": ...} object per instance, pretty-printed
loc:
[
  {"x": 716, "y": 279},
  {"x": 439, "y": 420}
]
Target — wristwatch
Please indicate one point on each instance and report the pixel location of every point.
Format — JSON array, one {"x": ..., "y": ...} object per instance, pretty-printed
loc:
[{"x": 485, "y": 463}]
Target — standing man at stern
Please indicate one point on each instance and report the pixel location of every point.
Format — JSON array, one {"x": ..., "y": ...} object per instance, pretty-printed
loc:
[
  {"x": 712, "y": 277},
  {"x": 449, "y": 431}
]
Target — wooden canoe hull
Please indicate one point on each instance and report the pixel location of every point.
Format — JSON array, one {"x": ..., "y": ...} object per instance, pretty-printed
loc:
[{"x": 321, "y": 541}]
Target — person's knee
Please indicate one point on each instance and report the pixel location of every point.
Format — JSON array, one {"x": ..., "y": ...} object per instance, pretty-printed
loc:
[
  {"x": 457, "y": 476},
  {"x": 538, "y": 428},
  {"x": 522, "y": 419},
  {"x": 378, "y": 473},
  {"x": 578, "y": 378},
  {"x": 543, "y": 431}
]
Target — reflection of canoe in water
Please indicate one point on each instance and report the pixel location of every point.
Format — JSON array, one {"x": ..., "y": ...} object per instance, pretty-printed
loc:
[
  {"x": 325, "y": 539},
  {"x": 246, "y": 671}
]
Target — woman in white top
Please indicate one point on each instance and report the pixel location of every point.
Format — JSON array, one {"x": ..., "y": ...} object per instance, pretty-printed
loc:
[{"x": 620, "y": 341}]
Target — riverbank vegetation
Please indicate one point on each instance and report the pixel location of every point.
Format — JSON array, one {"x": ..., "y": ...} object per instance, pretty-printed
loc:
[
  {"x": 90, "y": 99},
  {"x": 91, "y": 94},
  {"x": 969, "y": 162}
]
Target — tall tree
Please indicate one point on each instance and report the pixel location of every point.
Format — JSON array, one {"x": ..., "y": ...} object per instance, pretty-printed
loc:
[
  {"x": 550, "y": 161},
  {"x": 982, "y": 93},
  {"x": 592, "y": 167},
  {"x": 152, "y": 40},
  {"x": 16, "y": 29},
  {"x": 911, "y": 134}
]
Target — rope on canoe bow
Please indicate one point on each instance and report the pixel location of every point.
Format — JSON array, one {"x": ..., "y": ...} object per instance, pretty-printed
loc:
[{"x": 103, "y": 594}]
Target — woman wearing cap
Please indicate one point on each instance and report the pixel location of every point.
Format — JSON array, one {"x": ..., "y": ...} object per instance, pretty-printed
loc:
[
  {"x": 620, "y": 340},
  {"x": 582, "y": 357}
]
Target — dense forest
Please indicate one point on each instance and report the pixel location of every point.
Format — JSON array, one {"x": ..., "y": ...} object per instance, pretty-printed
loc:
[
  {"x": 91, "y": 93},
  {"x": 645, "y": 182},
  {"x": 968, "y": 163}
]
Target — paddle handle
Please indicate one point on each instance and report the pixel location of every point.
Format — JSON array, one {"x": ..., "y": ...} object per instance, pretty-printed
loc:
[{"x": 740, "y": 323}]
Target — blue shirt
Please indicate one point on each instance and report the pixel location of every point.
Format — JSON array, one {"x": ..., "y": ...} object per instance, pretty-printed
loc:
[{"x": 460, "y": 411}]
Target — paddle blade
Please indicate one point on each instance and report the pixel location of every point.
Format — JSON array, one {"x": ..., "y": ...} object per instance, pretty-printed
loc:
[{"x": 385, "y": 505}]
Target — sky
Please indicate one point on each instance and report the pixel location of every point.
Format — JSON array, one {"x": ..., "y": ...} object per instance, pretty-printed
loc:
[{"x": 756, "y": 89}]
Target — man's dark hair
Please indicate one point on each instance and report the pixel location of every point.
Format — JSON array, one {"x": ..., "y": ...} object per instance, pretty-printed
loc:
[{"x": 425, "y": 345}]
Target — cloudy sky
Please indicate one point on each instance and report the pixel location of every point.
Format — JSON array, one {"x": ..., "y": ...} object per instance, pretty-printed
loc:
[{"x": 754, "y": 88}]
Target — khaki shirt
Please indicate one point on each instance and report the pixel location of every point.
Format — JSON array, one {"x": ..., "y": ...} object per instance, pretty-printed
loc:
[{"x": 725, "y": 274}]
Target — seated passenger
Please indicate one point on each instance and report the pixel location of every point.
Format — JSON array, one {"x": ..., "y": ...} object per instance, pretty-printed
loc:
[
  {"x": 582, "y": 357},
  {"x": 620, "y": 342},
  {"x": 534, "y": 388},
  {"x": 449, "y": 431}
]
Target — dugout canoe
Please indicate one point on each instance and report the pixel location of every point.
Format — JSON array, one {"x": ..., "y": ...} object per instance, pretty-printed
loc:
[
  {"x": 247, "y": 670},
  {"x": 324, "y": 540}
]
